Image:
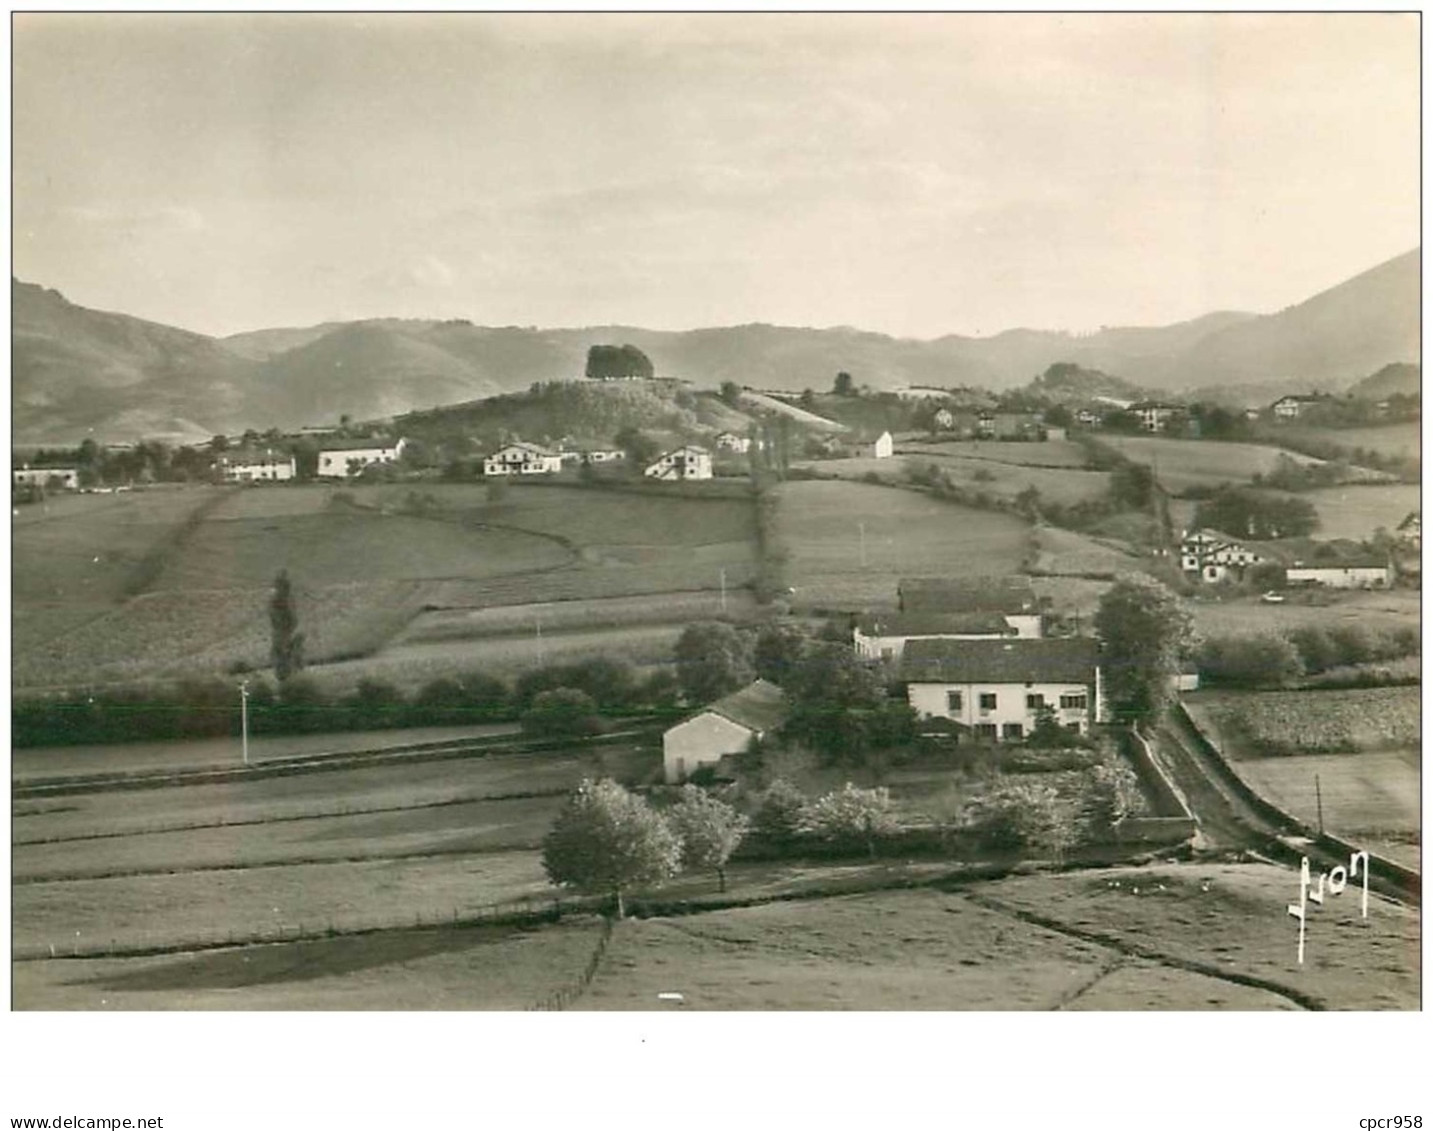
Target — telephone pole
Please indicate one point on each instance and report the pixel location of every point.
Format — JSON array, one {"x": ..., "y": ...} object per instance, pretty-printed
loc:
[{"x": 244, "y": 717}]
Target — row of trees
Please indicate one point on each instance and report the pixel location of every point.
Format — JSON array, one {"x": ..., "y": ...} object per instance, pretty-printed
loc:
[{"x": 1270, "y": 660}]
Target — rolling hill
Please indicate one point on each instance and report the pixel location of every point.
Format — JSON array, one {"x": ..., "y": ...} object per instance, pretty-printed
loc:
[{"x": 79, "y": 372}]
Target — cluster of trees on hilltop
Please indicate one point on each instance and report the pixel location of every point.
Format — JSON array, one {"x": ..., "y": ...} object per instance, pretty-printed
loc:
[{"x": 606, "y": 363}]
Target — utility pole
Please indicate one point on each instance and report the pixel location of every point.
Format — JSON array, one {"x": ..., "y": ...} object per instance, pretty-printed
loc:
[
  {"x": 538, "y": 624},
  {"x": 1319, "y": 798},
  {"x": 862, "y": 526},
  {"x": 723, "y": 591},
  {"x": 244, "y": 717}
]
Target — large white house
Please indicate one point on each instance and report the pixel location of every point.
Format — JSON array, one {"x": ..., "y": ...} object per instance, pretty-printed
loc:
[
  {"x": 1154, "y": 415},
  {"x": 725, "y": 727},
  {"x": 1213, "y": 556},
  {"x": 1012, "y": 597},
  {"x": 66, "y": 477},
  {"x": 734, "y": 442},
  {"x": 248, "y": 465},
  {"x": 999, "y": 689},
  {"x": 519, "y": 458},
  {"x": 688, "y": 462},
  {"x": 883, "y": 446},
  {"x": 337, "y": 460}
]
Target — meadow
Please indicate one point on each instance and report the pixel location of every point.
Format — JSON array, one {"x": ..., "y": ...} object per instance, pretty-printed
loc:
[
  {"x": 1047, "y": 453},
  {"x": 1218, "y": 615},
  {"x": 1316, "y": 722},
  {"x": 1356, "y": 512},
  {"x": 823, "y": 527},
  {"x": 1400, "y": 441},
  {"x": 1063, "y": 485},
  {"x": 1182, "y": 464},
  {"x": 158, "y": 585}
]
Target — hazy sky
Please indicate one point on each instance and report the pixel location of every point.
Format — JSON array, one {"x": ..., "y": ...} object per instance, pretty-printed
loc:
[{"x": 917, "y": 175}]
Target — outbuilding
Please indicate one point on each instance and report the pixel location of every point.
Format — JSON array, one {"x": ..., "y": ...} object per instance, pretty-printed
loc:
[{"x": 722, "y": 728}]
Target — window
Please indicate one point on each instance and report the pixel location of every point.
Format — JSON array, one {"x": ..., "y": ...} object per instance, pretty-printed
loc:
[
  {"x": 1034, "y": 702},
  {"x": 954, "y": 702},
  {"x": 987, "y": 700},
  {"x": 1073, "y": 727},
  {"x": 1073, "y": 702},
  {"x": 984, "y": 730},
  {"x": 1014, "y": 730},
  {"x": 888, "y": 654}
]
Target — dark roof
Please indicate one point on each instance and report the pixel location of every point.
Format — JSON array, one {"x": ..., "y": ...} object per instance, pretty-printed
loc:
[
  {"x": 255, "y": 455},
  {"x": 931, "y": 624},
  {"x": 1008, "y": 593},
  {"x": 1051, "y": 660},
  {"x": 1410, "y": 519},
  {"x": 759, "y": 706}
]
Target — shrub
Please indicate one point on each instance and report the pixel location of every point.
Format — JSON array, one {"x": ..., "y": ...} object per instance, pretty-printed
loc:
[
  {"x": 1013, "y": 816},
  {"x": 563, "y": 711},
  {"x": 778, "y": 815},
  {"x": 1248, "y": 661},
  {"x": 850, "y": 818}
]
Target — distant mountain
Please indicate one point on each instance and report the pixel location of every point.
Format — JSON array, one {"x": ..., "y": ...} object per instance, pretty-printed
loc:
[
  {"x": 79, "y": 372},
  {"x": 1392, "y": 380},
  {"x": 1332, "y": 339}
]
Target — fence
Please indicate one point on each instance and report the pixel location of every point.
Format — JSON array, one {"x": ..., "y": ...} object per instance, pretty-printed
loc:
[
  {"x": 561, "y": 998},
  {"x": 1173, "y": 821}
]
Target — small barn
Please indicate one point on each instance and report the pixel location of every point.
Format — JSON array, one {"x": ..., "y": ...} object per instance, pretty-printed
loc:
[{"x": 724, "y": 727}]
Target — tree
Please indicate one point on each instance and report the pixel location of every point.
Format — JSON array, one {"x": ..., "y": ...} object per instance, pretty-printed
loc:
[
  {"x": 606, "y": 841},
  {"x": 713, "y": 660},
  {"x": 1246, "y": 513},
  {"x": 843, "y": 386},
  {"x": 1144, "y": 629},
  {"x": 710, "y": 831},
  {"x": 779, "y": 651},
  {"x": 561, "y": 711},
  {"x": 778, "y": 816},
  {"x": 1111, "y": 794},
  {"x": 1249, "y": 661},
  {"x": 730, "y": 393},
  {"x": 1131, "y": 486},
  {"x": 1014, "y": 815},
  {"x": 286, "y": 641},
  {"x": 640, "y": 448},
  {"x": 850, "y": 815},
  {"x": 606, "y": 363}
]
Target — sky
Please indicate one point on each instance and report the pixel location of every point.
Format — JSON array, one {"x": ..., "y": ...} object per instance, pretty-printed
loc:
[{"x": 917, "y": 175}]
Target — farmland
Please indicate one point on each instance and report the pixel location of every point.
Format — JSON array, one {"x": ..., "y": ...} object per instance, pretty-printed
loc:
[
  {"x": 1356, "y": 512},
  {"x": 1064, "y": 485},
  {"x": 1318, "y": 722},
  {"x": 1182, "y": 464},
  {"x": 1400, "y": 441},
  {"x": 1047, "y": 453},
  {"x": 822, "y": 526},
  {"x": 1215, "y": 615},
  {"x": 137, "y": 586}
]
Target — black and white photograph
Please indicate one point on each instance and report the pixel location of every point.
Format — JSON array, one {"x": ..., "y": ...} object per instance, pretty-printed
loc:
[{"x": 712, "y": 512}]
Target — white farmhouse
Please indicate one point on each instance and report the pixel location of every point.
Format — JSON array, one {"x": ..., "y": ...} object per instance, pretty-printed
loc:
[
  {"x": 883, "y": 446},
  {"x": 884, "y": 636},
  {"x": 27, "y": 476},
  {"x": 733, "y": 442},
  {"x": 519, "y": 458},
  {"x": 725, "y": 727},
  {"x": 1154, "y": 415},
  {"x": 337, "y": 460},
  {"x": 1012, "y": 597},
  {"x": 1346, "y": 574},
  {"x": 998, "y": 689},
  {"x": 249, "y": 465},
  {"x": 688, "y": 462},
  {"x": 1213, "y": 556}
]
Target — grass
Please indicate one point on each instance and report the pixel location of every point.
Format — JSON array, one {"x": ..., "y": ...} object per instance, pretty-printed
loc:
[
  {"x": 905, "y": 534},
  {"x": 1065, "y": 485},
  {"x": 1247, "y": 616},
  {"x": 1061, "y": 551},
  {"x": 1356, "y": 512},
  {"x": 1182, "y": 464},
  {"x": 1403, "y": 440},
  {"x": 1049, "y": 453}
]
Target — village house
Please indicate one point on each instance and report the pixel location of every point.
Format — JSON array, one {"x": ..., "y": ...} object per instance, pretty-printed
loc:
[
  {"x": 732, "y": 442},
  {"x": 1155, "y": 416},
  {"x": 871, "y": 445},
  {"x": 689, "y": 462},
  {"x": 1088, "y": 417},
  {"x": 67, "y": 478},
  {"x": 1410, "y": 530},
  {"x": 725, "y": 727},
  {"x": 1009, "y": 596},
  {"x": 1011, "y": 426},
  {"x": 336, "y": 460},
  {"x": 999, "y": 689},
  {"x": 1290, "y": 407},
  {"x": 520, "y": 458},
  {"x": 944, "y": 419},
  {"x": 603, "y": 455},
  {"x": 884, "y": 636},
  {"x": 254, "y": 465},
  {"x": 1213, "y": 556}
]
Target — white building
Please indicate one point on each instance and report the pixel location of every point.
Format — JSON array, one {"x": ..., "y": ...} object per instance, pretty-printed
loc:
[
  {"x": 67, "y": 478},
  {"x": 883, "y": 446},
  {"x": 884, "y": 636},
  {"x": 1410, "y": 530},
  {"x": 998, "y": 689},
  {"x": 1343, "y": 575},
  {"x": 246, "y": 465},
  {"x": 338, "y": 460},
  {"x": 1154, "y": 415},
  {"x": 519, "y": 458},
  {"x": 732, "y": 442},
  {"x": 603, "y": 455},
  {"x": 1290, "y": 407},
  {"x": 688, "y": 462},
  {"x": 727, "y": 726},
  {"x": 1212, "y": 556}
]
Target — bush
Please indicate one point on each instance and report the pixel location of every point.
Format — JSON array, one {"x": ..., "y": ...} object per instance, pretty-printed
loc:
[
  {"x": 1248, "y": 661},
  {"x": 850, "y": 818},
  {"x": 563, "y": 711},
  {"x": 778, "y": 815},
  {"x": 1014, "y": 816}
]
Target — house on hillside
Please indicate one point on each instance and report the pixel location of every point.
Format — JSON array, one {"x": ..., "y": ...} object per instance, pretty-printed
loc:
[
  {"x": 338, "y": 459},
  {"x": 1155, "y": 416},
  {"x": 1088, "y": 418},
  {"x": 944, "y": 419},
  {"x": 874, "y": 445},
  {"x": 257, "y": 465},
  {"x": 689, "y": 462},
  {"x": 884, "y": 636},
  {"x": 1292, "y": 406},
  {"x": 521, "y": 458},
  {"x": 1210, "y": 555},
  {"x": 51, "y": 478},
  {"x": 999, "y": 689},
  {"x": 1410, "y": 530},
  {"x": 603, "y": 455},
  {"x": 725, "y": 727},
  {"x": 1009, "y": 596},
  {"x": 733, "y": 442}
]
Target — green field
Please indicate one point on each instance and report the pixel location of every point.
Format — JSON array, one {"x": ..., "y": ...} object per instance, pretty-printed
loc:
[
  {"x": 1216, "y": 615},
  {"x": 1400, "y": 441},
  {"x": 1316, "y": 722},
  {"x": 824, "y": 525},
  {"x": 1065, "y": 485},
  {"x": 1182, "y": 464},
  {"x": 1048, "y": 453},
  {"x": 114, "y": 589},
  {"x": 1062, "y": 551},
  {"x": 1356, "y": 512}
]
